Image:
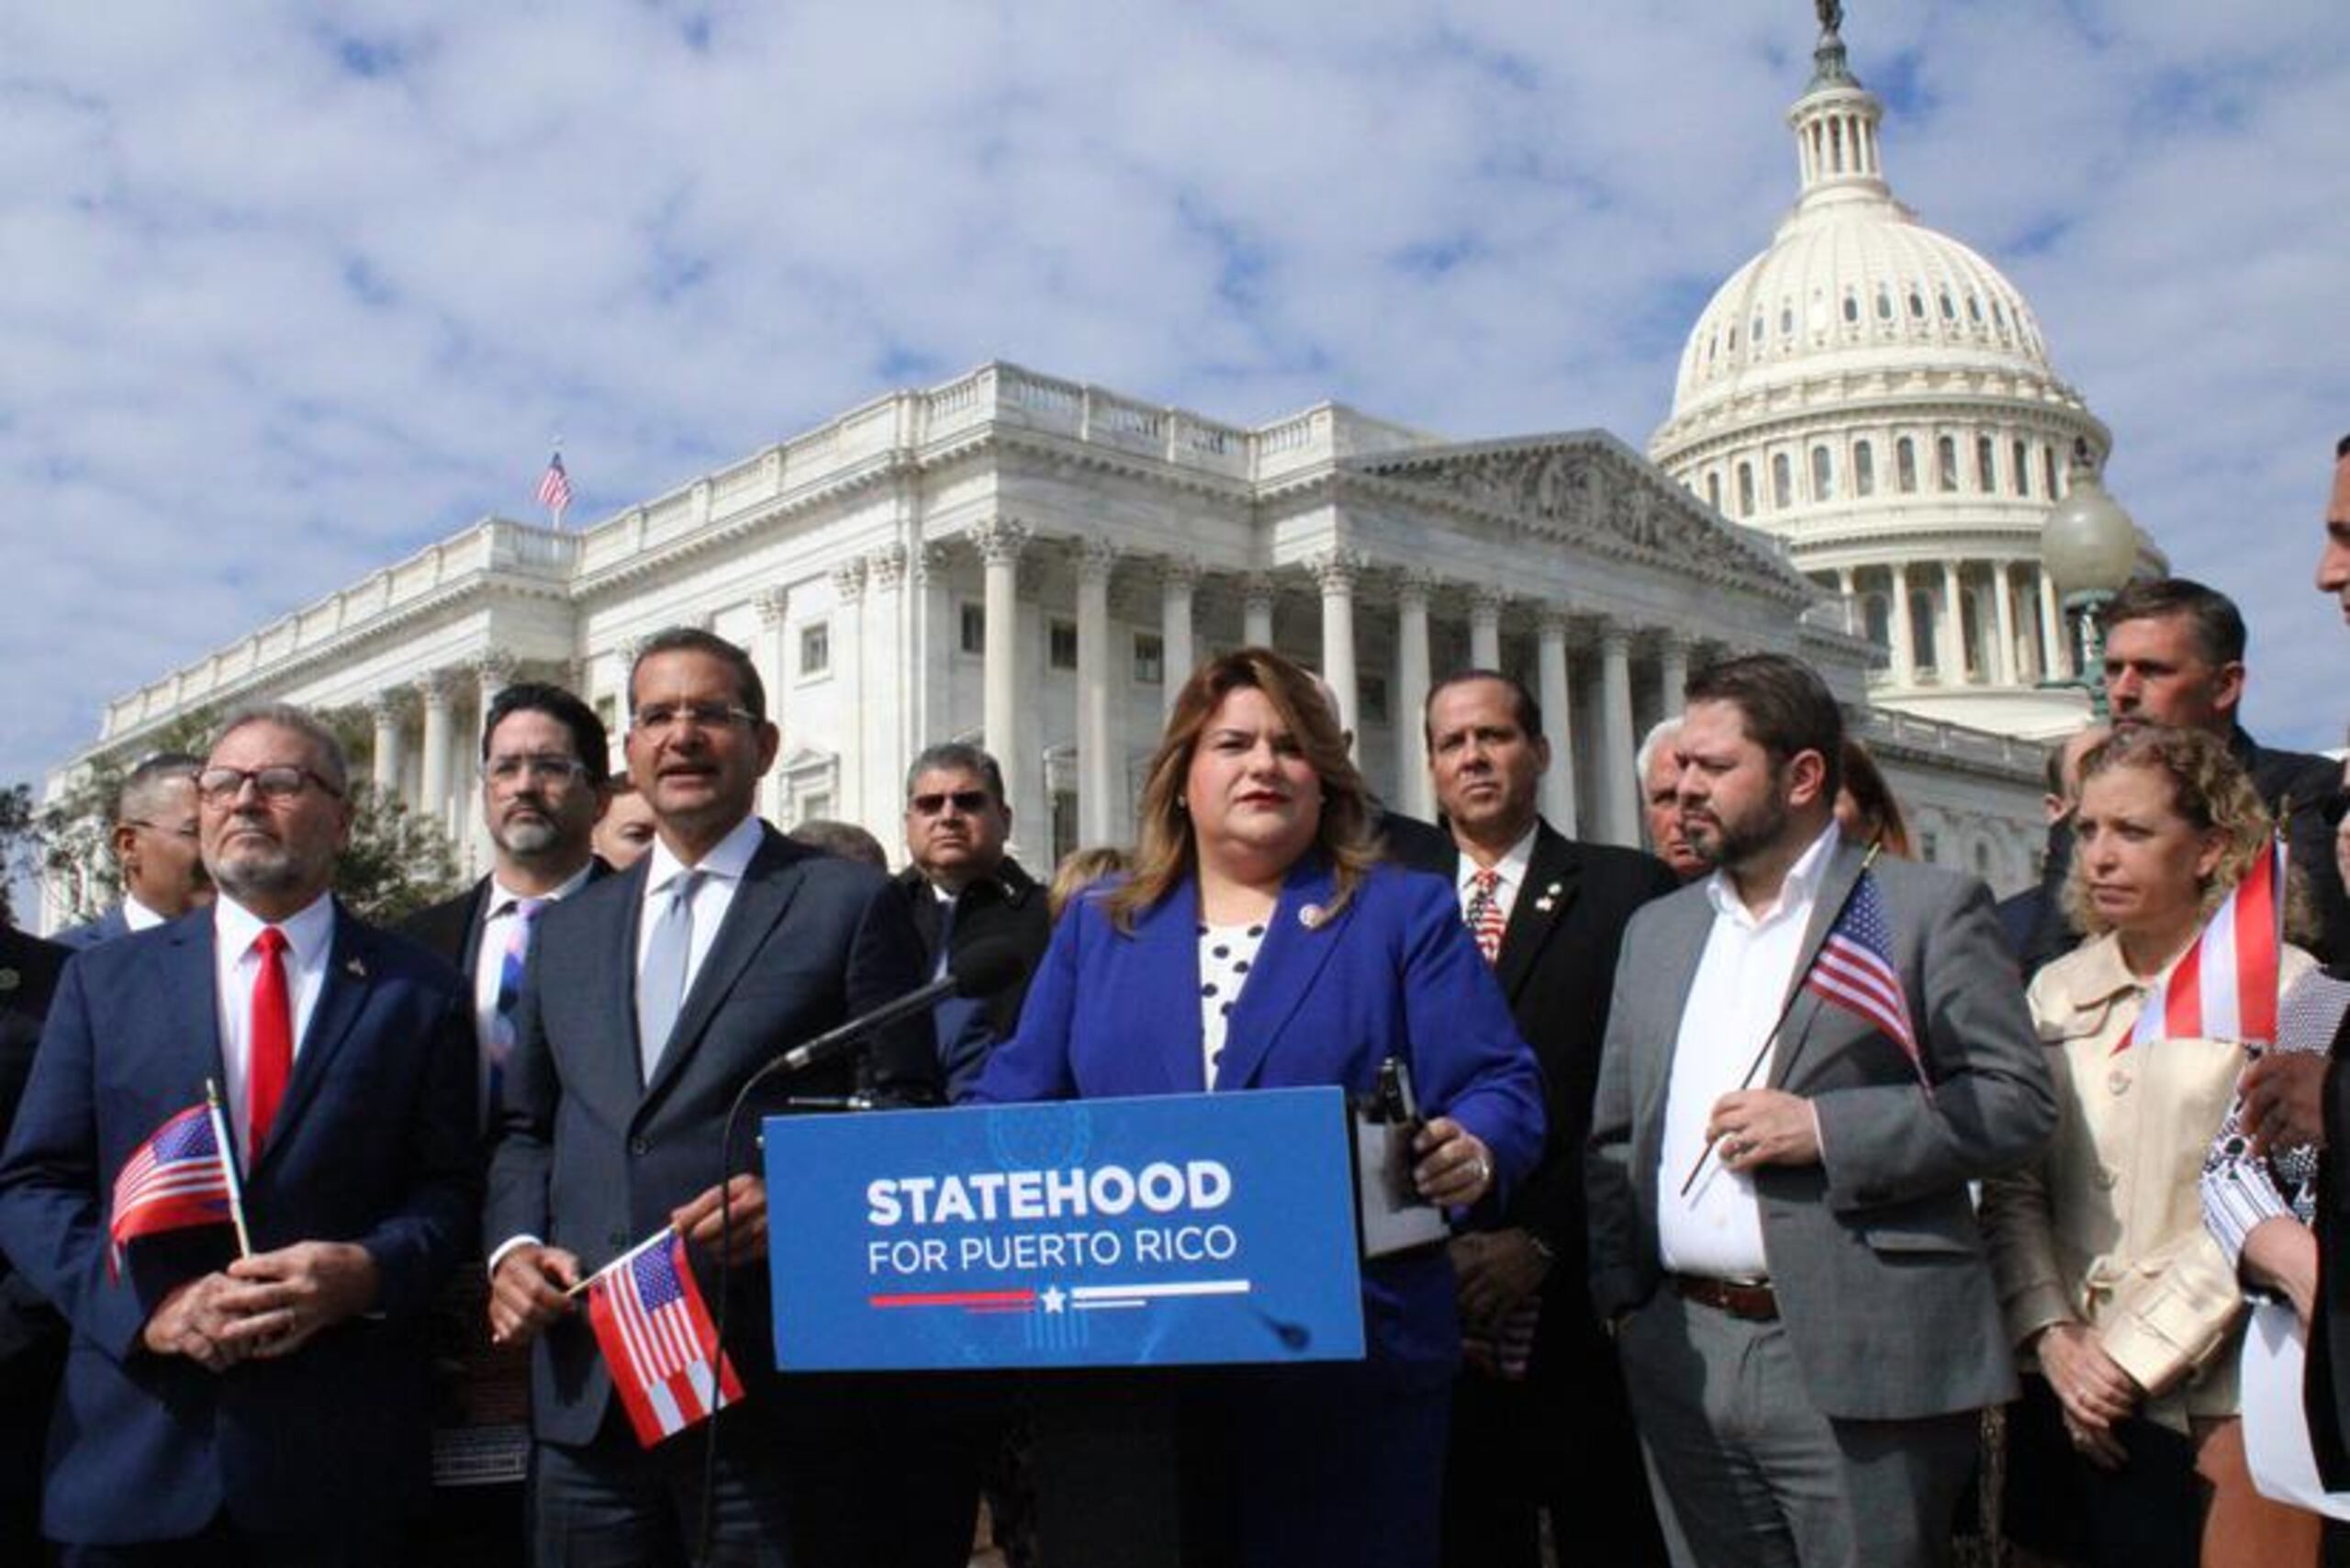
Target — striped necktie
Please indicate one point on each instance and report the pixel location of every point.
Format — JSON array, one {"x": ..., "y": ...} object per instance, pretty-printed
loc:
[
  {"x": 1485, "y": 913},
  {"x": 522, "y": 912}
]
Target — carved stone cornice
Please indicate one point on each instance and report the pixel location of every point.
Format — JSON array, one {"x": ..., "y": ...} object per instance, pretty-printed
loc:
[
  {"x": 1179, "y": 573},
  {"x": 1338, "y": 571},
  {"x": 389, "y": 709},
  {"x": 436, "y": 688},
  {"x": 885, "y": 568},
  {"x": 849, "y": 581},
  {"x": 1095, "y": 559},
  {"x": 772, "y": 603},
  {"x": 1001, "y": 541}
]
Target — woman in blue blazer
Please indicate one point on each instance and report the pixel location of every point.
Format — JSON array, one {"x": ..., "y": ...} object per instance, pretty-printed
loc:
[{"x": 1260, "y": 943}]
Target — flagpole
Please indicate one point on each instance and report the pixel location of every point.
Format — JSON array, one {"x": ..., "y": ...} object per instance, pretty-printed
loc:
[
  {"x": 229, "y": 1167},
  {"x": 574, "y": 1290},
  {"x": 1795, "y": 991}
]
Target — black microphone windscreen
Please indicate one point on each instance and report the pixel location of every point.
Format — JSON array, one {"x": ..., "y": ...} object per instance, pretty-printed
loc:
[{"x": 986, "y": 968}]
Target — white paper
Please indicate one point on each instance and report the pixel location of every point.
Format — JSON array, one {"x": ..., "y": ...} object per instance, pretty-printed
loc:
[{"x": 2276, "y": 1429}]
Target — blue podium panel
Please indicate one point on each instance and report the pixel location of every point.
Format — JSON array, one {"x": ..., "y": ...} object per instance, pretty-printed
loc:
[{"x": 1158, "y": 1231}]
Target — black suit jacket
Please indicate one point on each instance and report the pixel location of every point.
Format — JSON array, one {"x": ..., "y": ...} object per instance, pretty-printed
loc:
[
  {"x": 452, "y": 927},
  {"x": 1008, "y": 908},
  {"x": 2325, "y": 1388},
  {"x": 30, "y": 1330},
  {"x": 592, "y": 1159}
]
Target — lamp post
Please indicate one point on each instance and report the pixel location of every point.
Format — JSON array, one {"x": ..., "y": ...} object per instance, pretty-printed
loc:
[{"x": 2088, "y": 547}]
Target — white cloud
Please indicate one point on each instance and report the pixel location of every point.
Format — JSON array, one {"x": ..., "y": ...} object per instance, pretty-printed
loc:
[{"x": 286, "y": 298}]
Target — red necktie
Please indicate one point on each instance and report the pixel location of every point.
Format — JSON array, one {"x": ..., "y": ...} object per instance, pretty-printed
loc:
[{"x": 273, "y": 1039}]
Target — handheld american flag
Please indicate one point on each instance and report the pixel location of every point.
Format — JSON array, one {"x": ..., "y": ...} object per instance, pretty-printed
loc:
[
  {"x": 658, "y": 1340},
  {"x": 2224, "y": 986},
  {"x": 1854, "y": 970},
  {"x": 177, "y": 1178}
]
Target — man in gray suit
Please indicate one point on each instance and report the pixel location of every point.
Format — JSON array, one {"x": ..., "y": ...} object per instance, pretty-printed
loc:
[
  {"x": 650, "y": 1000},
  {"x": 1808, "y": 1059}
]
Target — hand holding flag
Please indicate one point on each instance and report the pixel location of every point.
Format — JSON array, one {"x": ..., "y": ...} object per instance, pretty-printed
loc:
[
  {"x": 179, "y": 1178},
  {"x": 658, "y": 1340}
]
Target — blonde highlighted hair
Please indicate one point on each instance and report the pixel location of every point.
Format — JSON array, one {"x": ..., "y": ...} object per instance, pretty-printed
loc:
[{"x": 1166, "y": 850}]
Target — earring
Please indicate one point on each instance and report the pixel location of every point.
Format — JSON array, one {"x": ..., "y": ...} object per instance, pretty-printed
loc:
[{"x": 1181, "y": 804}]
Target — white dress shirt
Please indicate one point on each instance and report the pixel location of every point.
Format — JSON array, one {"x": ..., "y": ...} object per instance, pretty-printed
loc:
[
  {"x": 1513, "y": 867},
  {"x": 723, "y": 870},
  {"x": 137, "y": 917},
  {"x": 1715, "y": 1229},
  {"x": 309, "y": 941},
  {"x": 497, "y": 926}
]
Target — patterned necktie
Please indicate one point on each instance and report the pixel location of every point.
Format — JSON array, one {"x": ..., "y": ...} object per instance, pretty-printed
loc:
[
  {"x": 524, "y": 912},
  {"x": 661, "y": 979},
  {"x": 272, "y": 1061},
  {"x": 1485, "y": 913}
]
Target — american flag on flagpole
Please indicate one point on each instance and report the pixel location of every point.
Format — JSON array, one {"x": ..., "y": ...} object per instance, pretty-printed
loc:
[
  {"x": 2224, "y": 986},
  {"x": 554, "y": 488},
  {"x": 177, "y": 1178},
  {"x": 658, "y": 1340},
  {"x": 1854, "y": 970}
]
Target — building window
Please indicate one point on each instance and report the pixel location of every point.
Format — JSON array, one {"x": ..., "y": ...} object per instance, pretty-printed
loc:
[
  {"x": 607, "y": 713},
  {"x": 1371, "y": 699},
  {"x": 1150, "y": 659},
  {"x": 1922, "y": 629},
  {"x": 1863, "y": 470},
  {"x": 2023, "y": 472},
  {"x": 1746, "y": 490},
  {"x": 1987, "y": 470},
  {"x": 1884, "y": 303},
  {"x": 1064, "y": 823},
  {"x": 1916, "y": 305},
  {"x": 815, "y": 648},
  {"x": 1714, "y": 490},
  {"x": 1930, "y": 848},
  {"x": 1823, "y": 474},
  {"x": 812, "y": 807},
  {"x": 1905, "y": 463},
  {"x": 2048, "y": 471},
  {"x": 975, "y": 628},
  {"x": 1876, "y": 616},
  {"x": 1851, "y": 307},
  {"x": 1782, "y": 482},
  {"x": 1061, "y": 645},
  {"x": 1946, "y": 463},
  {"x": 1970, "y": 631}
]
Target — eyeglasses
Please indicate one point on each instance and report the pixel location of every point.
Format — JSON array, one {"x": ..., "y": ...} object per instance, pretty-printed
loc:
[
  {"x": 970, "y": 802},
  {"x": 219, "y": 786},
  {"x": 660, "y": 718},
  {"x": 177, "y": 830},
  {"x": 546, "y": 769}
]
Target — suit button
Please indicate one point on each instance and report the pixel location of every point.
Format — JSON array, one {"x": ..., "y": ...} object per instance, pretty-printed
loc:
[
  {"x": 2117, "y": 1081},
  {"x": 616, "y": 1240},
  {"x": 640, "y": 1145},
  {"x": 2108, "y": 1178}
]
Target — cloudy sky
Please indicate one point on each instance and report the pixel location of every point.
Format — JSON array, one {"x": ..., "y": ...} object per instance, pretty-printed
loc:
[{"x": 283, "y": 297}]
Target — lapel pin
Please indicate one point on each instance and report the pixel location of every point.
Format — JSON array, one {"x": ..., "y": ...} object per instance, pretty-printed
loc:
[
  {"x": 355, "y": 967},
  {"x": 1542, "y": 904},
  {"x": 8, "y": 980},
  {"x": 1310, "y": 916}
]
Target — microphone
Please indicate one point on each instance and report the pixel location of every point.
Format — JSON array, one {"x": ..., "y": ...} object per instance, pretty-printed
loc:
[{"x": 988, "y": 967}]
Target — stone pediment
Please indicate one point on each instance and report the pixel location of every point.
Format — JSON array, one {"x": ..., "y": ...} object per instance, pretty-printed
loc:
[{"x": 1588, "y": 488}]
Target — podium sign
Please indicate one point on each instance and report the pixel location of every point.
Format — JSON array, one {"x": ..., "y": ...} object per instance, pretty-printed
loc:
[{"x": 1165, "y": 1230}]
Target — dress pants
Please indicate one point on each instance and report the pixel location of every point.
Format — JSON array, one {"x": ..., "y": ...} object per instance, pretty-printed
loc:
[{"x": 1750, "y": 1475}]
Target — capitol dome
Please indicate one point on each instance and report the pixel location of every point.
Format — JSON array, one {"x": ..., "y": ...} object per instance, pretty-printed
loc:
[{"x": 1880, "y": 397}]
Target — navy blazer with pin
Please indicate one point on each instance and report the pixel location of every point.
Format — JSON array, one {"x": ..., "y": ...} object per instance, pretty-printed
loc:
[{"x": 376, "y": 1144}]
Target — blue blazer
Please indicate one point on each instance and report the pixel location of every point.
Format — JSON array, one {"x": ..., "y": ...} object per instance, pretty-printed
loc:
[
  {"x": 377, "y": 1146},
  {"x": 90, "y": 932},
  {"x": 1393, "y": 973}
]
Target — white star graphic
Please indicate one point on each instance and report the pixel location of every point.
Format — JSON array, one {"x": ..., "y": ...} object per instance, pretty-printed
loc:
[{"x": 1053, "y": 1297}]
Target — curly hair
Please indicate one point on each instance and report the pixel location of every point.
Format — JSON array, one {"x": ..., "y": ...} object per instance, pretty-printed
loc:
[
  {"x": 2208, "y": 788},
  {"x": 1166, "y": 850}
]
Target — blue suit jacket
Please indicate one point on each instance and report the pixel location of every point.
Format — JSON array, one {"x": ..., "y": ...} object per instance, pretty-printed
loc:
[
  {"x": 376, "y": 1144},
  {"x": 90, "y": 932},
  {"x": 592, "y": 1159},
  {"x": 1393, "y": 973}
]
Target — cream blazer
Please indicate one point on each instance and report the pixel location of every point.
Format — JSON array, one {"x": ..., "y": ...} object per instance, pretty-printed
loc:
[{"x": 2108, "y": 1229}]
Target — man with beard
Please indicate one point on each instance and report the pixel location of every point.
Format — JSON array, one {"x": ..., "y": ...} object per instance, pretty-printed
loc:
[
  {"x": 1781, "y": 1235},
  {"x": 269, "y": 1408},
  {"x": 154, "y": 849},
  {"x": 544, "y": 786}
]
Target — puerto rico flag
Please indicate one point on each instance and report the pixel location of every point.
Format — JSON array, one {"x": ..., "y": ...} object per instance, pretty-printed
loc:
[
  {"x": 2224, "y": 987},
  {"x": 1854, "y": 970},
  {"x": 175, "y": 1180},
  {"x": 658, "y": 1340}
]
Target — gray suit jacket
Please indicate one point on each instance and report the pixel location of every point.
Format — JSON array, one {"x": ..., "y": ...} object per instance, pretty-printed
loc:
[
  {"x": 1875, "y": 1254},
  {"x": 592, "y": 1159}
]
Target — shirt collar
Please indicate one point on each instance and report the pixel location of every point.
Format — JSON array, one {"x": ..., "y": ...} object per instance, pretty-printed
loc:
[
  {"x": 502, "y": 899},
  {"x": 1513, "y": 866},
  {"x": 137, "y": 917},
  {"x": 1800, "y": 886},
  {"x": 729, "y": 858},
  {"x": 307, "y": 933}
]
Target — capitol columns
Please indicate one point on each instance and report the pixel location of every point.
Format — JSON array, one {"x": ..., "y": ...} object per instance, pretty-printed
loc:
[
  {"x": 435, "y": 690},
  {"x": 388, "y": 710},
  {"x": 771, "y": 604},
  {"x": 1485, "y": 628},
  {"x": 1179, "y": 579},
  {"x": 1553, "y": 691},
  {"x": 884, "y": 706},
  {"x": 1000, "y": 542},
  {"x": 1415, "y": 788},
  {"x": 1335, "y": 573},
  {"x": 2058, "y": 665},
  {"x": 1620, "y": 791},
  {"x": 848, "y": 679},
  {"x": 2003, "y": 607},
  {"x": 1672, "y": 672},
  {"x": 1098, "y": 749},
  {"x": 1905, "y": 635},
  {"x": 1950, "y": 636},
  {"x": 1257, "y": 594}
]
